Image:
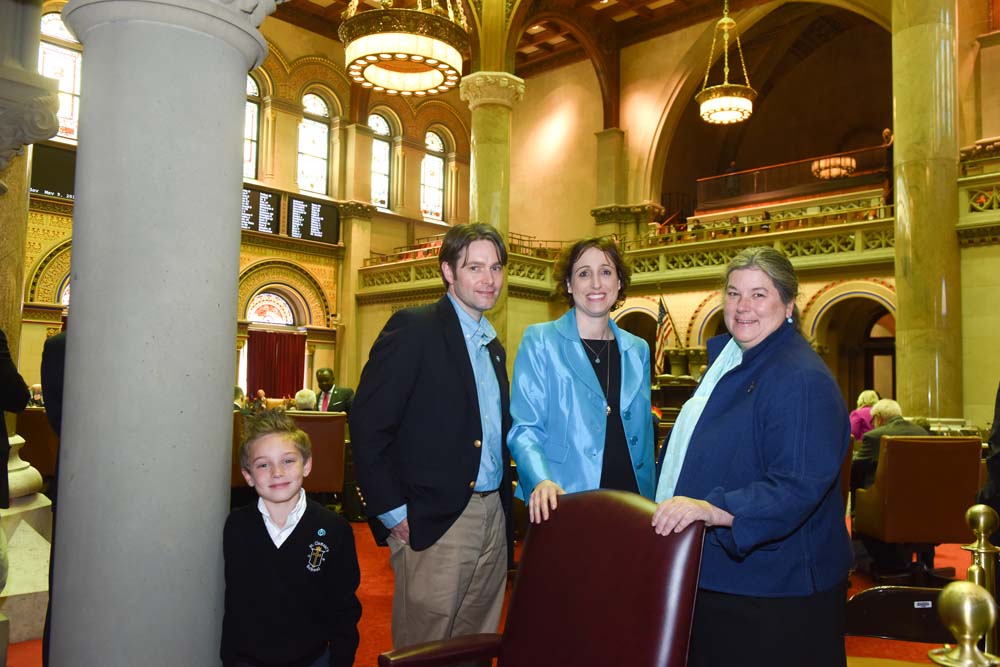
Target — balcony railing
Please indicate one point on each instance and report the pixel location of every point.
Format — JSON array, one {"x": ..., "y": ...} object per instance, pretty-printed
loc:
[{"x": 812, "y": 176}]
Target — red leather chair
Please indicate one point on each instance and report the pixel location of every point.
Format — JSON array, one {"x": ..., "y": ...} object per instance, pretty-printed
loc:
[{"x": 595, "y": 586}]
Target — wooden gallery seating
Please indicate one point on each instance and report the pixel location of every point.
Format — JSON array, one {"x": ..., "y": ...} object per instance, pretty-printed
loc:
[
  {"x": 923, "y": 486},
  {"x": 326, "y": 432},
  {"x": 41, "y": 445}
]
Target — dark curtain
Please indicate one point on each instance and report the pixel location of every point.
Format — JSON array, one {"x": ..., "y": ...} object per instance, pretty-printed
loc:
[{"x": 275, "y": 363}]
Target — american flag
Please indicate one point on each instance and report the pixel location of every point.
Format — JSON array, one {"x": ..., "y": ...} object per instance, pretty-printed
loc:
[{"x": 664, "y": 327}]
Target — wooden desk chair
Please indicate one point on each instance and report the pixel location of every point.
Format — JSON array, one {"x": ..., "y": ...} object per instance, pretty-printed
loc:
[
  {"x": 41, "y": 444},
  {"x": 326, "y": 432},
  {"x": 923, "y": 486},
  {"x": 903, "y": 613},
  {"x": 596, "y": 586}
]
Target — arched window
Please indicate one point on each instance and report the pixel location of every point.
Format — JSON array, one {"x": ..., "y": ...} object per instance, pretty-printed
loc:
[
  {"x": 432, "y": 178},
  {"x": 381, "y": 152},
  {"x": 270, "y": 308},
  {"x": 64, "y": 295},
  {"x": 314, "y": 143},
  {"x": 251, "y": 129},
  {"x": 60, "y": 58}
]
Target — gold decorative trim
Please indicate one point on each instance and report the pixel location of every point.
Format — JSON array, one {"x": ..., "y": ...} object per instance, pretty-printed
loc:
[
  {"x": 42, "y": 312},
  {"x": 626, "y": 215},
  {"x": 988, "y": 234},
  {"x": 261, "y": 274},
  {"x": 295, "y": 245},
  {"x": 355, "y": 209},
  {"x": 499, "y": 88},
  {"x": 44, "y": 204},
  {"x": 408, "y": 298}
]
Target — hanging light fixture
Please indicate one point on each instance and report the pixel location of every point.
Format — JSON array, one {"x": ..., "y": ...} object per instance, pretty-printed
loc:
[
  {"x": 406, "y": 51},
  {"x": 727, "y": 102}
]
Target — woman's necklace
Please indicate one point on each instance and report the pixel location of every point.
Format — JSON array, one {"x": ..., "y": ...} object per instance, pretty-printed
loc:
[
  {"x": 607, "y": 370},
  {"x": 597, "y": 353}
]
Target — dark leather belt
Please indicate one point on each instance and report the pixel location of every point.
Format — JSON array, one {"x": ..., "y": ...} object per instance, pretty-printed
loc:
[{"x": 483, "y": 494}]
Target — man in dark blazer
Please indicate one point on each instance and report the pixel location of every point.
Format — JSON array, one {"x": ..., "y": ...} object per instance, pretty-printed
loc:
[
  {"x": 330, "y": 397},
  {"x": 428, "y": 428}
]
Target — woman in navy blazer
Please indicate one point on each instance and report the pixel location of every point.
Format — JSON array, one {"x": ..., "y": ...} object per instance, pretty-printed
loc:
[
  {"x": 756, "y": 455},
  {"x": 580, "y": 398}
]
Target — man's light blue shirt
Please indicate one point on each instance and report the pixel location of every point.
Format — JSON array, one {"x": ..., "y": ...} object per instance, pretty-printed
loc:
[{"x": 477, "y": 336}]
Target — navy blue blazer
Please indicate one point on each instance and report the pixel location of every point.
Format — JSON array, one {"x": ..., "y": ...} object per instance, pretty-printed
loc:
[
  {"x": 415, "y": 423},
  {"x": 768, "y": 449}
]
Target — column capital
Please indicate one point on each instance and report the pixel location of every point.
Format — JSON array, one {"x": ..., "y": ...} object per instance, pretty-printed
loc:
[
  {"x": 627, "y": 214},
  {"x": 501, "y": 88},
  {"x": 234, "y": 21},
  {"x": 355, "y": 209},
  {"x": 24, "y": 119}
]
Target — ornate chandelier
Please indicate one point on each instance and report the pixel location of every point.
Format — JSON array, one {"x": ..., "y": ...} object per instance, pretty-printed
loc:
[
  {"x": 726, "y": 102},
  {"x": 406, "y": 51}
]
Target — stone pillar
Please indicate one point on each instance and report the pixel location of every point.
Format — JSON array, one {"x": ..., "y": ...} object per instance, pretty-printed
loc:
[
  {"x": 356, "y": 233},
  {"x": 357, "y": 166},
  {"x": 28, "y": 106},
  {"x": 988, "y": 73},
  {"x": 156, "y": 238},
  {"x": 491, "y": 97},
  {"x": 612, "y": 167},
  {"x": 928, "y": 321}
]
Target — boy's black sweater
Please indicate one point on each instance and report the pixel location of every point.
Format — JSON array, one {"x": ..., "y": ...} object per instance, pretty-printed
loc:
[{"x": 283, "y": 605}]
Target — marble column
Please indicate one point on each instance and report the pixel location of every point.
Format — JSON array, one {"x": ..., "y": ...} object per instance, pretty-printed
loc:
[
  {"x": 145, "y": 451},
  {"x": 491, "y": 97},
  {"x": 356, "y": 232},
  {"x": 928, "y": 321}
]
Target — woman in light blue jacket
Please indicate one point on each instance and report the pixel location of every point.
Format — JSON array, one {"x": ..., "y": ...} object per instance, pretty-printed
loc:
[{"x": 580, "y": 398}]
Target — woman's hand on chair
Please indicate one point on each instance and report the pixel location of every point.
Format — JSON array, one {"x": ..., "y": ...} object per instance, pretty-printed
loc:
[
  {"x": 542, "y": 500},
  {"x": 675, "y": 514}
]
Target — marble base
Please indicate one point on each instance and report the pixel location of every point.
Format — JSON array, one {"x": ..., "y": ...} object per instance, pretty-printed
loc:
[
  {"x": 27, "y": 593},
  {"x": 34, "y": 509}
]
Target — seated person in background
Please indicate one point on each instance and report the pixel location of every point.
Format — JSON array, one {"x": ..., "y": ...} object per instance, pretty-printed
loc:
[
  {"x": 861, "y": 418},
  {"x": 291, "y": 568},
  {"x": 259, "y": 402},
  {"x": 887, "y": 418},
  {"x": 305, "y": 399},
  {"x": 36, "y": 400},
  {"x": 332, "y": 398},
  {"x": 14, "y": 394},
  {"x": 239, "y": 398}
]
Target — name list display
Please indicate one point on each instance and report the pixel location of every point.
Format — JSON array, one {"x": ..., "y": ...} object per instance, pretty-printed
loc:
[
  {"x": 313, "y": 220},
  {"x": 260, "y": 210}
]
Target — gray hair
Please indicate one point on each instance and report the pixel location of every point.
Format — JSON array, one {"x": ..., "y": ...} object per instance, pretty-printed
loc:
[
  {"x": 305, "y": 399},
  {"x": 777, "y": 267},
  {"x": 886, "y": 409}
]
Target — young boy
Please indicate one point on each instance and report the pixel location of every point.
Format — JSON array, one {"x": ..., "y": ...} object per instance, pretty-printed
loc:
[{"x": 291, "y": 567}]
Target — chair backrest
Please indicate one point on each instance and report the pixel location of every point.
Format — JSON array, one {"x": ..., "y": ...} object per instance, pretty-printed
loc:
[
  {"x": 923, "y": 486},
  {"x": 596, "y": 586},
  {"x": 41, "y": 444},
  {"x": 904, "y": 613},
  {"x": 325, "y": 431}
]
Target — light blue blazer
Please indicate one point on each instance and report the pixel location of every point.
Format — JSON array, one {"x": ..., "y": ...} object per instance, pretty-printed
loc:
[{"x": 559, "y": 410}]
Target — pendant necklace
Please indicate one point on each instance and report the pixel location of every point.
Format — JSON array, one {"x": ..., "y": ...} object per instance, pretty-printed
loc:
[
  {"x": 607, "y": 372},
  {"x": 597, "y": 353}
]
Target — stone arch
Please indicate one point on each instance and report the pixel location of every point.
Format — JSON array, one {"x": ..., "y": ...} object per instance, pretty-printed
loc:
[
  {"x": 816, "y": 309},
  {"x": 704, "y": 320},
  {"x": 647, "y": 167},
  {"x": 313, "y": 72},
  {"x": 391, "y": 115},
  {"x": 439, "y": 116},
  {"x": 291, "y": 281},
  {"x": 49, "y": 274}
]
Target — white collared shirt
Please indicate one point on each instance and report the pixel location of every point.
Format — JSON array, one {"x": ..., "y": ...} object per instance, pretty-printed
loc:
[{"x": 280, "y": 533}]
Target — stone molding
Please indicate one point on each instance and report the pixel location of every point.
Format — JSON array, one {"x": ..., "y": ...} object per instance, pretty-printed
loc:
[
  {"x": 626, "y": 215},
  {"x": 234, "y": 21},
  {"x": 355, "y": 209},
  {"x": 500, "y": 88},
  {"x": 26, "y": 122}
]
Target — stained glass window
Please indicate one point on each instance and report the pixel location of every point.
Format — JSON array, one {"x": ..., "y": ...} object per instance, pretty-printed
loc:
[
  {"x": 432, "y": 178},
  {"x": 251, "y": 129},
  {"x": 64, "y": 295},
  {"x": 380, "y": 160},
  {"x": 59, "y": 58},
  {"x": 314, "y": 140},
  {"x": 269, "y": 308}
]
